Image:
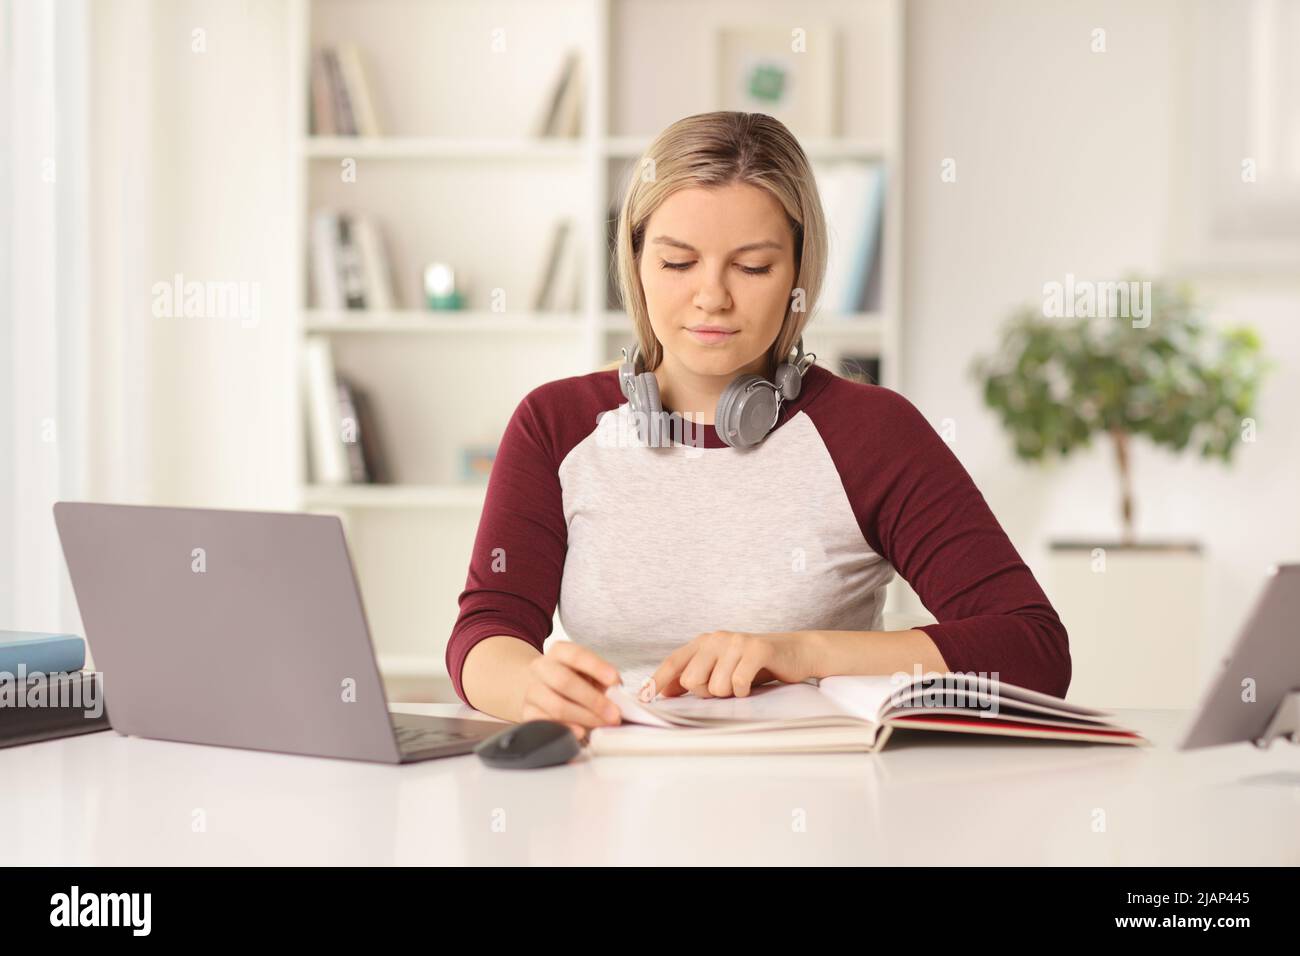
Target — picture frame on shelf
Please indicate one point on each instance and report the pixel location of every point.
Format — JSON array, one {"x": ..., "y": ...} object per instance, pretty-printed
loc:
[{"x": 791, "y": 74}]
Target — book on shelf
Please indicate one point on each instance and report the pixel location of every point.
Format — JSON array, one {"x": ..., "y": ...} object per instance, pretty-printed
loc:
[
  {"x": 561, "y": 117},
  {"x": 559, "y": 287},
  {"x": 852, "y": 195},
  {"x": 344, "y": 124},
  {"x": 322, "y": 96},
  {"x": 357, "y": 91},
  {"x": 326, "y": 287},
  {"x": 329, "y": 464},
  {"x": 348, "y": 266},
  {"x": 361, "y": 443},
  {"x": 568, "y": 290},
  {"x": 342, "y": 99},
  {"x": 349, "y": 263},
  {"x": 871, "y": 295},
  {"x": 349, "y": 431},
  {"x": 849, "y": 714},
  {"x": 376, "y": 277},
  {"x": 343, "y": 440}
]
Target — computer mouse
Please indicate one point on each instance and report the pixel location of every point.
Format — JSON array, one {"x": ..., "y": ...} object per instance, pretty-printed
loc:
[{"x": 532, "y": 744}]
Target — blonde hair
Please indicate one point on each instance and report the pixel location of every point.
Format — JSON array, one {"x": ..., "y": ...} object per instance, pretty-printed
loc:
[{"x": 714, "y": 150}]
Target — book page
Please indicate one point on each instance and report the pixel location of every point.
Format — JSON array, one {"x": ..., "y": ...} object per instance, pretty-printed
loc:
[
  {"x": 768, "y": 702},
  {"x": 865, "y": 696},
  {"x": 873, "y": 697}
]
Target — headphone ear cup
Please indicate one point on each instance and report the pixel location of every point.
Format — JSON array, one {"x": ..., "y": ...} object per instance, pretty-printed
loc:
[
  {"x": 648, "y": 408},
  {"x": 745, "y": 413},
  {"x": 789, "y": 381},
  {"x": 650, "y": 386},
  {"x": 723, "y": 422}
]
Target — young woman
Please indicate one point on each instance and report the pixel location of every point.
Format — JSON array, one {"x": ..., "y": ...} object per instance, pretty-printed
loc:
[{"x": 761, "y": 552}]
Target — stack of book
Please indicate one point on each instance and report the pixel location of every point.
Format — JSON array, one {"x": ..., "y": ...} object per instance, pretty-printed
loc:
[
  {"x": 349, "y": 263},
  {"x": 44, "y": 693},
  {"x": 341, "y": 99},
  {"x": 343, "y": 439}
]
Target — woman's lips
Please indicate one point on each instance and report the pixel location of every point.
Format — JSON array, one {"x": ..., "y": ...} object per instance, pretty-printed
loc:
[{"x": 709, "y": 337}]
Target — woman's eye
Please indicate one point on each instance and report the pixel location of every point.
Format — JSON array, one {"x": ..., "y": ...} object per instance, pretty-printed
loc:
[{"x": 748, "y": 270}]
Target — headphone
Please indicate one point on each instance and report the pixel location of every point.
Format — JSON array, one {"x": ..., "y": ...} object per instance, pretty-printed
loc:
[{"x": 747, "y": 410}]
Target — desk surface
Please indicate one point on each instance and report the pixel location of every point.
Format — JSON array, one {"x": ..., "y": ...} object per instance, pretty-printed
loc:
[{"x": 928, "y": 798}]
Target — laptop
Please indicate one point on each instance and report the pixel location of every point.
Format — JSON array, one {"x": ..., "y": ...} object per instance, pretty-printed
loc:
[
  {"x": 1260, "y": 672},
  {"x": 239, "y": 629}
]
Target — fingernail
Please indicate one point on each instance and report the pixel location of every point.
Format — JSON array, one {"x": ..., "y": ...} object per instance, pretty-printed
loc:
[{"x": 648, "y": 690}]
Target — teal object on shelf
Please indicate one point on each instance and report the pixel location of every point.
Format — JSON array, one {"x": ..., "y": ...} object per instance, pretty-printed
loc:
[
  {"x": 445, "y": 303},
  {"x": 441, "y": 291},
  {"x": 43, "y": 653}
]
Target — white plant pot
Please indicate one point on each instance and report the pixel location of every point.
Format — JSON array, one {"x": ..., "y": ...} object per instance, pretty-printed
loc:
[{"x": 1135, "y": 619}]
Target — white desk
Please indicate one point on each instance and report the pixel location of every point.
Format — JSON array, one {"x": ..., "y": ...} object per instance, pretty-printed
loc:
[{"x": 928, "y": 798}]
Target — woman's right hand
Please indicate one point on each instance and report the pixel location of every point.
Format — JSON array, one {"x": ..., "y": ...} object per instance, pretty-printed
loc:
[{"x": 568, "y": 684}]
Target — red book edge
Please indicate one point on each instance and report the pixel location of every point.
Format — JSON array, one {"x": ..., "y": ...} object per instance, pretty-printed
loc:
[{"x": 1014, "y": 725}]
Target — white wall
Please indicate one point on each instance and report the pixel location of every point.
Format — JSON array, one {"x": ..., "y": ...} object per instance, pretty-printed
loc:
[{"x": 1064, "y": 162}]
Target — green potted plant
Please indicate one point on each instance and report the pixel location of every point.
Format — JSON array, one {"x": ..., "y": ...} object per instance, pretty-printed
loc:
[
  {"x": 1056, "y": 384},
  {"x": 1133, "y": 610}
]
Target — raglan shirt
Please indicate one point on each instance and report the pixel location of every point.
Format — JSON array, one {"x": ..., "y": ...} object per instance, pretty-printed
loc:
[{"x": 644, "y": 548}]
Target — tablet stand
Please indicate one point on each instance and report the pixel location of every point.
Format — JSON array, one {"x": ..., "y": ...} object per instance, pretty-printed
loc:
[{"x": 1285, "y": 722}]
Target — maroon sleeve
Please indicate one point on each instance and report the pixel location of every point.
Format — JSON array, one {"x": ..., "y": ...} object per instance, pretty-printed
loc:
[
  {"x": 518, "y": 557},
  {"x": 517, "y": 563},
  {"x": 919, "y": 509}
]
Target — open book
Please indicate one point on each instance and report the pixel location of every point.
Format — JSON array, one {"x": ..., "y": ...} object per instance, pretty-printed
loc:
[{"x": 847, "y": 714}]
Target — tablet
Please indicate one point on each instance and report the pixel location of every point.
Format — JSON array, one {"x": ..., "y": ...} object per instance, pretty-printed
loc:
[{"x": 1260, "y": 673}]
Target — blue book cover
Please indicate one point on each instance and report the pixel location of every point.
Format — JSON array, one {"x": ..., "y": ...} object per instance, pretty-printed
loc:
[
  {"x": 872, "y": 185},
  {"x": 47, "y": 653}
]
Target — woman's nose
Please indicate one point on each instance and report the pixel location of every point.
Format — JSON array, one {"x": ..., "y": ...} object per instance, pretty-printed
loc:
[{"x": 712, "y": 294}]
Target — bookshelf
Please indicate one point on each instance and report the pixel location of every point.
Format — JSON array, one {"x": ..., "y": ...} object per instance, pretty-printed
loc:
[{"x": 456, "y": 85}]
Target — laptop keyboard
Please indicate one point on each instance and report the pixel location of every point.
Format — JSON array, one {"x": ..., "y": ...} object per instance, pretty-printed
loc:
[{"x": 410, "y": 739}]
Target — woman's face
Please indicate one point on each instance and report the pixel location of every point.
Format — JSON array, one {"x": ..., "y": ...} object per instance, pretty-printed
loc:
[{"x": 717, "y": 267}]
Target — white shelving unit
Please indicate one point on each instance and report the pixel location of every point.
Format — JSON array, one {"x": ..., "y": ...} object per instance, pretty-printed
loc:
[{"x": 455, "y": 81}]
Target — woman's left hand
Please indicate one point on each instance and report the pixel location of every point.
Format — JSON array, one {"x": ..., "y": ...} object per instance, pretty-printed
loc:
[{"x": 729, "y": 663}]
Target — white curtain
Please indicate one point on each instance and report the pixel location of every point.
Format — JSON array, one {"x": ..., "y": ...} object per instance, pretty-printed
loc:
[
  {"x": 43, "y": 279},
  {"x": 74, "y": 216}
]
